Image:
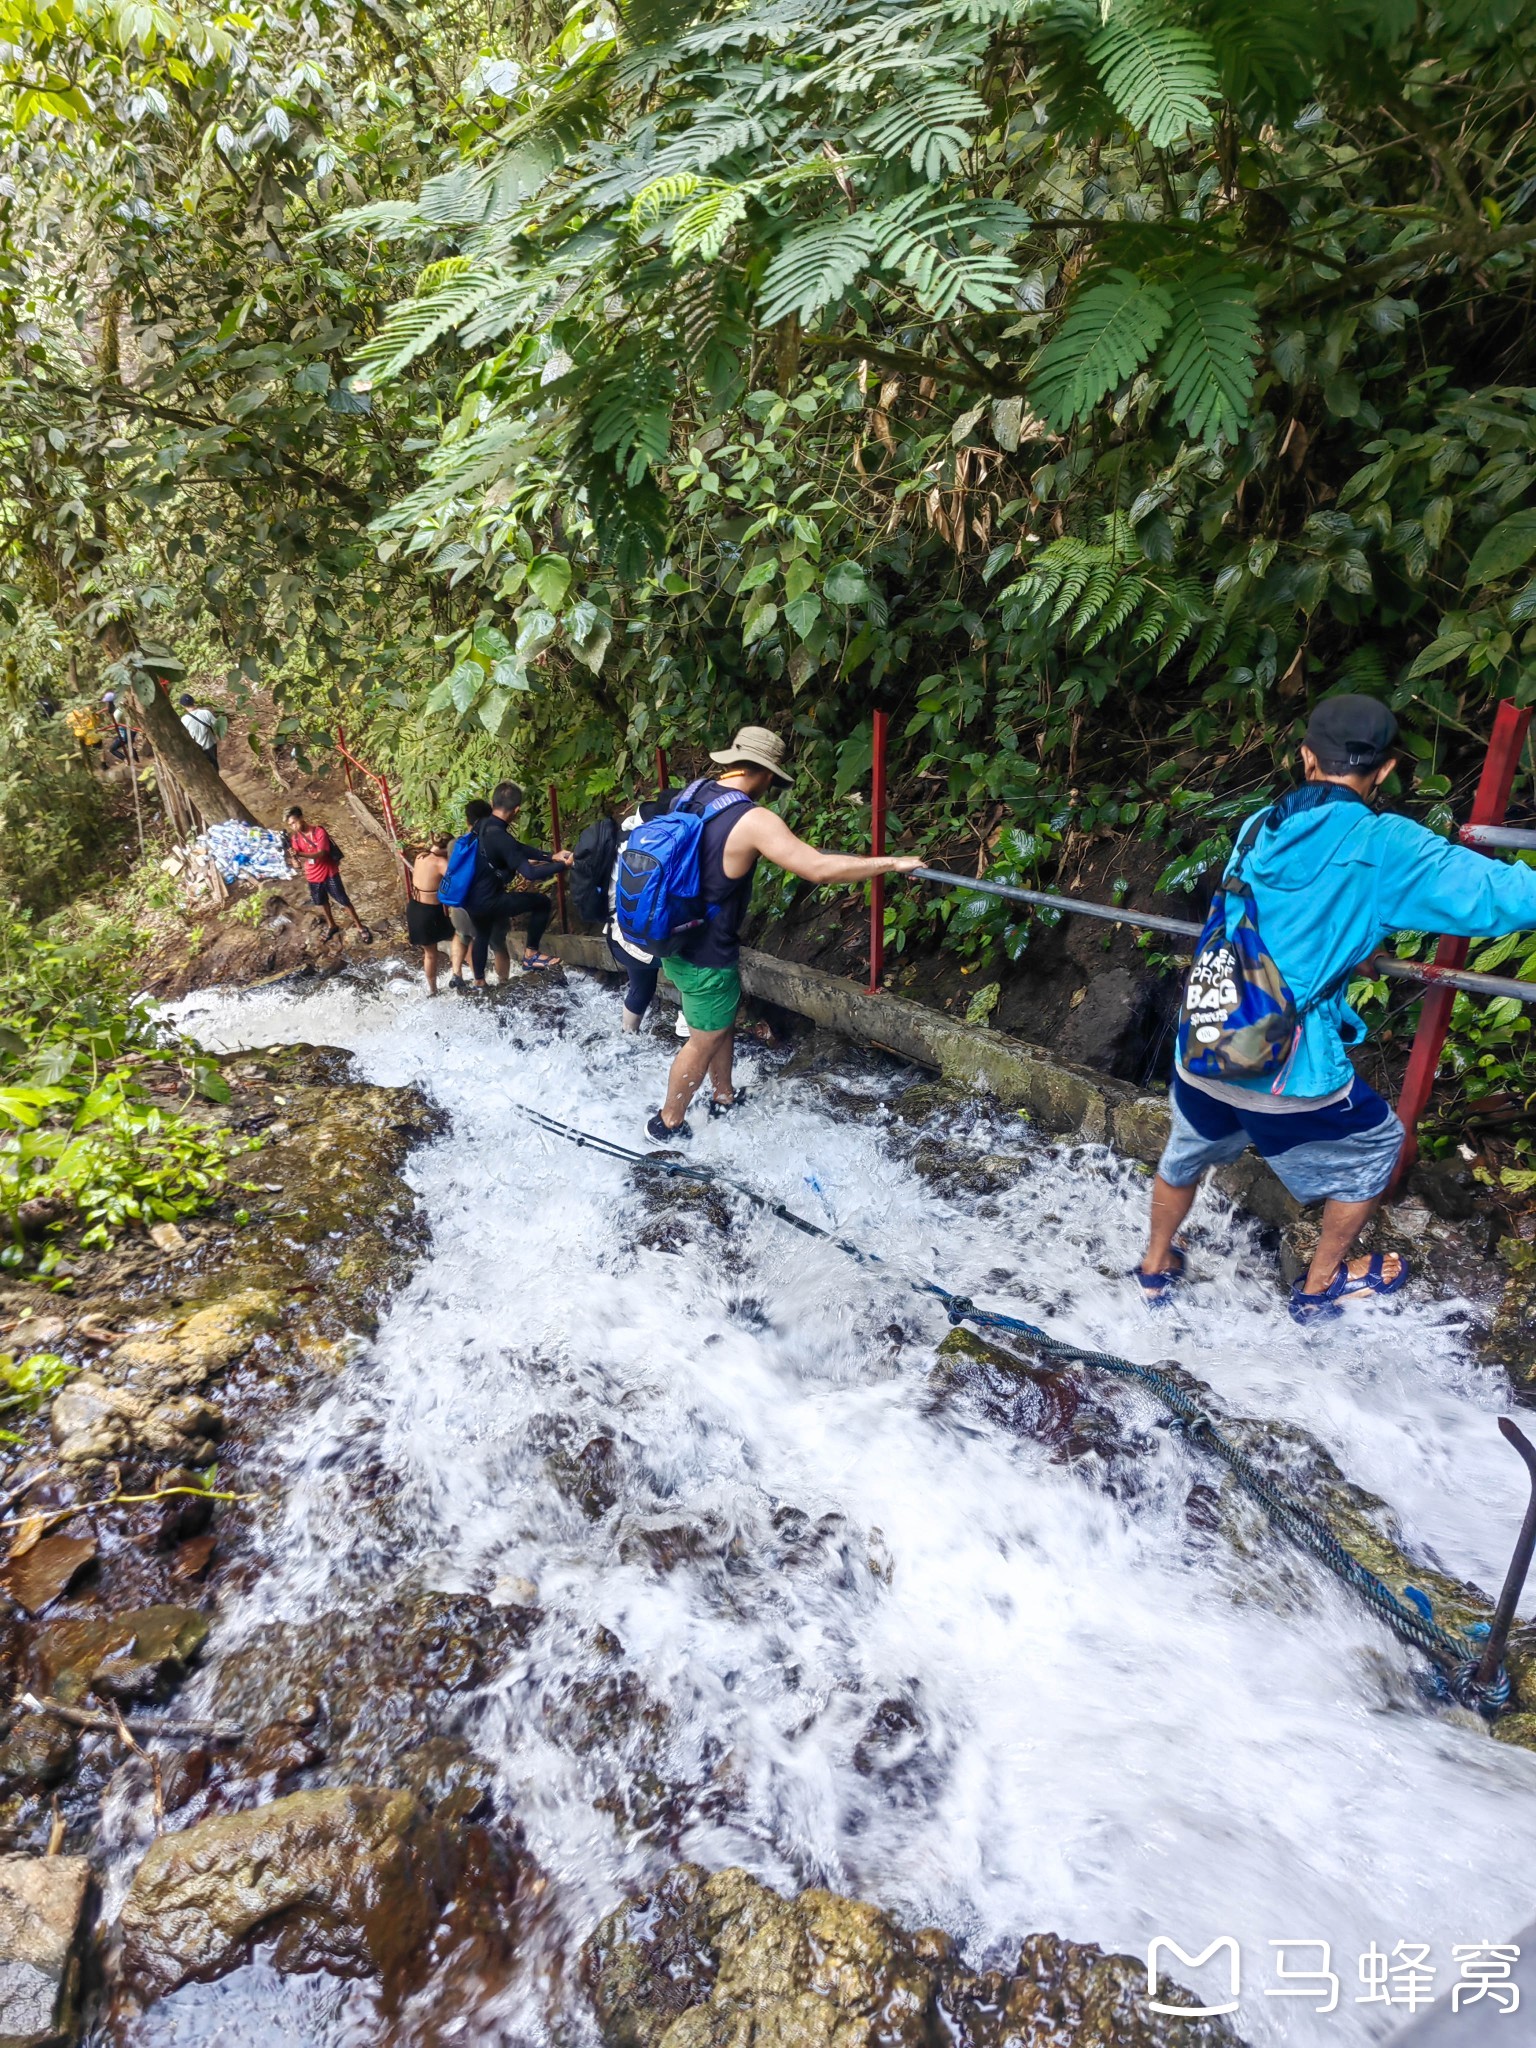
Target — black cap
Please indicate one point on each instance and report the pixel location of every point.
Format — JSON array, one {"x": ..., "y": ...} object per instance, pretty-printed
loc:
[
  {"x": 1351, "y": 735},
  {"x": 186, "y": 697}
]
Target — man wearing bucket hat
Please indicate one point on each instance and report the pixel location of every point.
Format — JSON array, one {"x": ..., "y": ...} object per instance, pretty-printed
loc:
[
  {"x": 737, "y": 833},
  {"x": 1330, "y": 877}
]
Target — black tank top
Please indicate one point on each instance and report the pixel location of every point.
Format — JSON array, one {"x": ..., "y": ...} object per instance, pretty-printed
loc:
[{"x": 719, "y": 944}]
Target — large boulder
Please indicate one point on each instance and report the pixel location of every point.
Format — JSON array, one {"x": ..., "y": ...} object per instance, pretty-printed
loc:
[
  {"x": 351, "y": 1880},
  {"x": 723, "y": 1962},
  {"x": 43, "y": 1905}
]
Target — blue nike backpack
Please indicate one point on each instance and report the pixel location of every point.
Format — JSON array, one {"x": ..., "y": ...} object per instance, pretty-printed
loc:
[
  {"x": 458, "y": 883},
  {"x": 658, "y": 892},
  {"x": 1239, "y": 1020}
]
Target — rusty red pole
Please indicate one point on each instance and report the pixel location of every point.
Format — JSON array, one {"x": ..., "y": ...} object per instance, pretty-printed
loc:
[
  {"x": 877, "y": 846},
  {"x": 1510, "y": 725},
  {"x": 554, "y": 834},
  {"x": 661, "y": 769}
]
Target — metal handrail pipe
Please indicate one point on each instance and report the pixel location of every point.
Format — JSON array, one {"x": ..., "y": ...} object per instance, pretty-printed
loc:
[
  {"x": 1423, "y": 972},
  {"x": 1521, "y": 837}
]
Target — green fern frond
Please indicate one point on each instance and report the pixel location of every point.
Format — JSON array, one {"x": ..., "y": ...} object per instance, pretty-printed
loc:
[
  {"x": 817, "y": 267},
  {"x": 438, "y": 274},
  {"x": 1210, "y": 353},
  {"x": 661, "y": 196},
  {"x": 1107, "y": 334},
  {"x": 1114, "y": 615},
  {"x": 415, "y": 325},
  {"x": 704, "y": 228},
  {"x": 1158, "y": 76},
  {"x": 932, "y": 129}
]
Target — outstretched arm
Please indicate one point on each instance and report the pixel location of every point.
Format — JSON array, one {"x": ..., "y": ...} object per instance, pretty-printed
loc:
[{"x": 761, "y": 832}]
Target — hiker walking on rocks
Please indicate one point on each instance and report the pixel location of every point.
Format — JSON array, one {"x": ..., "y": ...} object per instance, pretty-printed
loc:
[
  {"x": 122, "y": 737},
  {"x": 493, "y": 902},
  {"x": 426, "y": 921},
  {"x": 641, "y": 969},
  {"x": 736, "y": 832},
  {"x": 322, "y": 870},
  {"x": 1315, "y": 883},
  {"x": 201, "y": 725},
  {"x": 476, "y": 811}
]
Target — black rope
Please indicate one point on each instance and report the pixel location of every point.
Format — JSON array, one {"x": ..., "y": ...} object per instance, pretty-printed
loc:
[{"x": 1455, "y": 1655}]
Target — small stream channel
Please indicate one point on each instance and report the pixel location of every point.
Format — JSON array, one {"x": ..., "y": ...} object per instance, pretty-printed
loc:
[{"x": 853, "y": 1633}]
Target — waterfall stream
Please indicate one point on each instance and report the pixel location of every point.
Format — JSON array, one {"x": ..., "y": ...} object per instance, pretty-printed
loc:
[{"x": 853, "y": 1632}]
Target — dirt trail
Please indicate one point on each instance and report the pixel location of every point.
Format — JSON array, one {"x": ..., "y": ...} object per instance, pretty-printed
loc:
[{"x": 225, "y": 946}]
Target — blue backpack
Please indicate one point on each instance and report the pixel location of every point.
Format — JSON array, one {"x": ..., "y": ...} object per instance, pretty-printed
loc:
[
  {"x": 458, "y": 883},
  {"x": 658, "y": 893},
  {"x": 1239, "y": 1020}
]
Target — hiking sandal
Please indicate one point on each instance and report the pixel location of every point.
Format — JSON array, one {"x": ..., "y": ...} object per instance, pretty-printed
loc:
[
  {"x": 1346, "y": 1287},
  {"x": 534, "y": 963},
  {"x": 1159, "y": 1287}
]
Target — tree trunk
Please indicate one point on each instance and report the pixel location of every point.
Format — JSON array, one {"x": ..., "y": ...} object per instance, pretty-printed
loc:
[{"x": 173, "y": 743}]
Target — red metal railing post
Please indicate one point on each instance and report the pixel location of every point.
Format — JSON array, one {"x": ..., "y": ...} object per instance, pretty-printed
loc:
[
  {"x": 661, "y": 769},
  {"x": 1510, "y": 726},
  {"x": 554, "y": 836},
  {"x": 877, "y": 846}
]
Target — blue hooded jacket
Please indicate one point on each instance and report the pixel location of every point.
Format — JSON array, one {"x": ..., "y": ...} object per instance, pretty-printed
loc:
[{"x": 1331, "y": 879}]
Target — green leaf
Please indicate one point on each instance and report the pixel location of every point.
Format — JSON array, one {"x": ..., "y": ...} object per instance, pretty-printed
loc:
[
  {"x": 1159, "y": 77},
  {"x": 535, "y": 630},
  {"x": 1107, "y": 334},
  {"x": 549, "y": 578},
  {"x": 465, "y": 685},
  {"x": 845, "y": 583},
  {"x": 1503, "y": 549},
  {"x": 498, "y": 713},
  {"x": 803, "y": 611}
]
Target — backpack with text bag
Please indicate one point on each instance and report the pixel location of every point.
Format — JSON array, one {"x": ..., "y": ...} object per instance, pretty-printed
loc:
[
  {"x": 1238, "y": 1020},
  {"x": 659, "y": 901}
]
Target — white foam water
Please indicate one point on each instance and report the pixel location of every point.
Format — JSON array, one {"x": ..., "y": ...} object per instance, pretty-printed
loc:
[{"x": 1100, "y": 1727}]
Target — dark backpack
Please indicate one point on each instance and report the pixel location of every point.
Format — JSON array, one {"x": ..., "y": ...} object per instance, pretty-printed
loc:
[
  {"x": 592, "y": 869},
  {"x": 659, "y": 898},
  {"x": 458, "y": 883}
]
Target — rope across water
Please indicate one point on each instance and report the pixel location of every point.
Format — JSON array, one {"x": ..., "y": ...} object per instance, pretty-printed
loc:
[{"x": 1455, "y": 1655}]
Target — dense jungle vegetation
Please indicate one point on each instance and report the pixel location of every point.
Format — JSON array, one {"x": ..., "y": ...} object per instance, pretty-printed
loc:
[{"x": 1091, "y": 384}]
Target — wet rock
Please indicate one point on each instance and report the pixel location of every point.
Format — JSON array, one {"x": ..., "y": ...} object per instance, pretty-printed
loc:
[
  {"x": 376, "y": 1684},
  {"x": 352, "y": 1880},
  {"x": 38, "y": 1752},
  {"x": 449, "y": 1778},
  {"x": 49, "y": 1568},
  {"x": 591, "y": 1478},
  {"x": 678, "y": 1211},
  {"x": 1108, "y": 1029},
  {"x": 44, "y": 1901},
  {"x": 139, "y": 1657},
  {"x": 722, "y": 1962},
  {"x": 280, "y": 1750},
  {"x": 951, "y": 1170},
  {"x": 93, "y": 1421},
  {"x": 665, "y": 1541},
  {"x": 200, "y": 1344},
  {"x": 1512, "y": 1335},
  {"x": 1139, "y": 1128}
]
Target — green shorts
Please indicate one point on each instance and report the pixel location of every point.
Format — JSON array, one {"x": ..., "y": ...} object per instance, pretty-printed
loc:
[{"x": 710, "y": 994}]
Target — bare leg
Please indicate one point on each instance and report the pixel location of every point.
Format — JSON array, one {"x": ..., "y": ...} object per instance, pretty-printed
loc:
[
  {"x": 692, "y": 1063},
  {"x": 503, "y": 963},
  {"x": 429, "y": 968},
  {"x": 720, "y": 1070},
  {"x": 1342, "y": 1224},
  {"x": 631, "y": 1020},
  {"x": 458, "y": 953},
  {"x": 1170, "y": 1205}
]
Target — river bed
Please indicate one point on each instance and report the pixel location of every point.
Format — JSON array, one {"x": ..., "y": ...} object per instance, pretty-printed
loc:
[{"x": 869, "y": 1639}]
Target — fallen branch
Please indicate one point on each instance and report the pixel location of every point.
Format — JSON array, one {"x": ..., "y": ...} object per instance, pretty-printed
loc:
[
  {"x": 115, "y": 1724},
  {"x": 118, "y": 1500}
]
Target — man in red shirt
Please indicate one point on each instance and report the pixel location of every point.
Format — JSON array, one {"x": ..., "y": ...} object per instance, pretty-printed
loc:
[{"x": 322, "y": 870}]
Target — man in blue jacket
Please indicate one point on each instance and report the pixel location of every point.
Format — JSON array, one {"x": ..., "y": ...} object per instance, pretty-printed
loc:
[{"x": 1331, "y": 877}]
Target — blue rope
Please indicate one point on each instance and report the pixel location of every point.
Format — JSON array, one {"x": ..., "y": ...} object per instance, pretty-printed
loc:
[{"x": 1412, "y": 1618}]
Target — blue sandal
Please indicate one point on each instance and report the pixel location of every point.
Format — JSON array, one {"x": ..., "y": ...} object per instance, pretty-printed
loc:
[
  {"x": 1346, "y": 1287},
  {"x": 1157, "y": 1287}
]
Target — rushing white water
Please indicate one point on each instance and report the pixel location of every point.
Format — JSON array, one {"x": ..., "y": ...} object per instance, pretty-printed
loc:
[{"x": 1107, "y": 1729}]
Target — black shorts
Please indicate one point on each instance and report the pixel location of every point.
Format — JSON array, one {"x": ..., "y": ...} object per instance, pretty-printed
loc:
[
  {"x": 333, "y": 887},
  {"x": 426, "y": 923}
]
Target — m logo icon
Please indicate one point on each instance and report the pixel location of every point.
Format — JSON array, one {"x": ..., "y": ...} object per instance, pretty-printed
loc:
[{"x": 1193, "y": 2012}]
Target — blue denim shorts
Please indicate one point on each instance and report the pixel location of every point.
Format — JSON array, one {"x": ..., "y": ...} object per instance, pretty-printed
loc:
[{"x": 1346, "y": 1152}]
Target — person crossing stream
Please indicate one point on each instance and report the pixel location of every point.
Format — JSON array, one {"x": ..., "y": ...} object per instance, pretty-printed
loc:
[{"x": 989, "y": 1653}]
